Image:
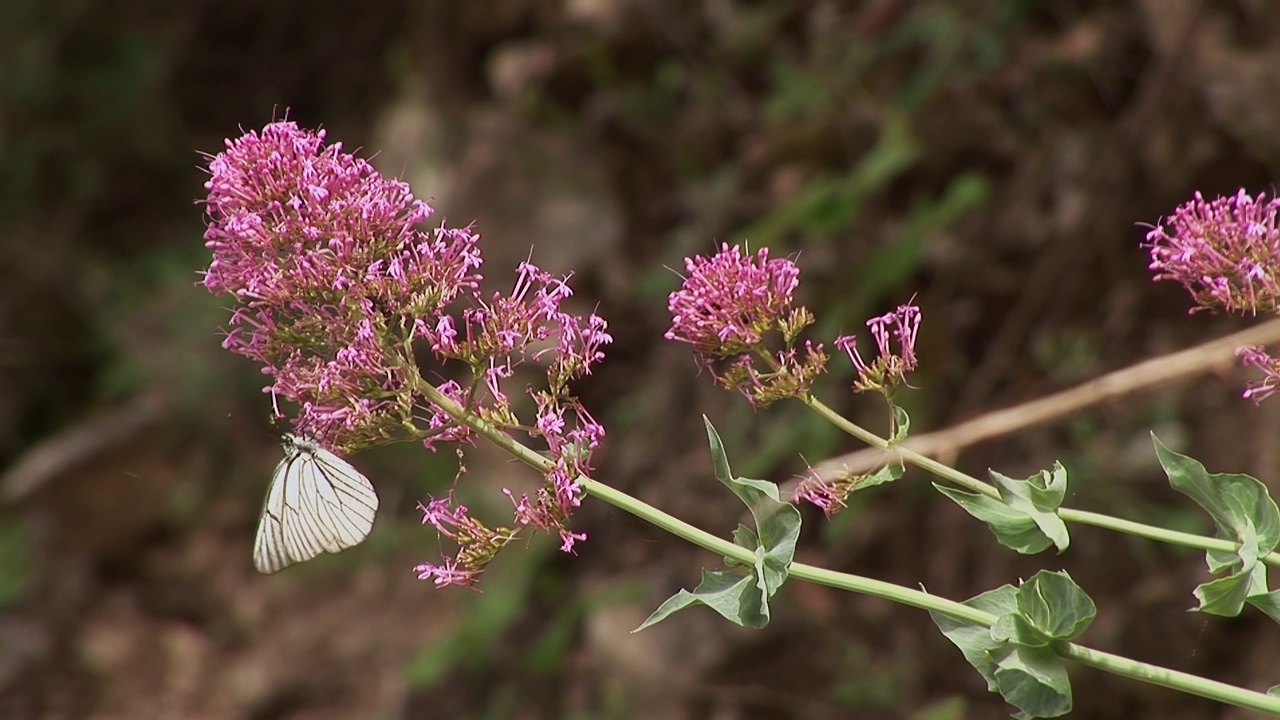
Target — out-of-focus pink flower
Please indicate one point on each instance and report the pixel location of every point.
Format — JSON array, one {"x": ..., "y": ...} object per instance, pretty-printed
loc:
[
  {"x": 1259, "y": 390},
  {"x": 477, "y": 543}
]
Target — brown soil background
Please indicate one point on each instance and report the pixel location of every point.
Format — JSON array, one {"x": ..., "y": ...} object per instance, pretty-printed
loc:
[{"x": 994, "y": 159}]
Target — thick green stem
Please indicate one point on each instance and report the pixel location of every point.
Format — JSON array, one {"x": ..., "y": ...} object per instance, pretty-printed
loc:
[{"x": 973, "y": 484}]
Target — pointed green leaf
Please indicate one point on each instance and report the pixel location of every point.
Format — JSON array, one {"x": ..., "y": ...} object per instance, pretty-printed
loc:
[
  {"x": 1048, "y": 488},
  {"x": 1226, "y": 596},
  {"x": 777, "y": 522},
  {"x": 1029, "y": 676},
  {"x": 738, "y": 597},
  {"x": 1013, "y": 528},
  {"x": 743, "y": 537},
  {"x": 1238, "y": 504},
  {"x": 1274, "y": 691},
  {"x": 734, "y": 596},
  {"x": 1219, "y": 560}
]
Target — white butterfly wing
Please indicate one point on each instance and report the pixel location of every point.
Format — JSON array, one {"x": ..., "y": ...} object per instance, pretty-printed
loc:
[{"x": 317, "y": 503}]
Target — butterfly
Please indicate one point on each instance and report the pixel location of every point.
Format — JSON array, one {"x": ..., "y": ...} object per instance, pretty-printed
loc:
[{"x": 317, "y": 502}]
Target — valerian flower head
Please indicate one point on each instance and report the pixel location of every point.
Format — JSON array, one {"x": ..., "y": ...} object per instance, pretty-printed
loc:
[
  {"x": 726, "y": 309},
  {"x": 1225, "y": 252},
  {"x": 326, "y": 259},
  {"x": 337, "y": 285},
  {"x": 729, "y": 301},
  {"x": 889, "y": 368}
]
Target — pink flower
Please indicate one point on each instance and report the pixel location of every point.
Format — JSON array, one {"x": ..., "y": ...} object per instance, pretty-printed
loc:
[
  {"x": 891, "y": 365},
  {"x": 325, "y": 256},
  {"x": 1225, "y": 252},
  {"x": 447, "y": 573},
  {"x": 730, "y": 300},
  {"x": 336, "y": 284},
  {"x": 477, "y": 544},
  {"x": 828, "y": 495},
  {"x": 726, "y": 309},
  {"x": 824, "y": 495},
  {"x": 1270, "y": 383}
]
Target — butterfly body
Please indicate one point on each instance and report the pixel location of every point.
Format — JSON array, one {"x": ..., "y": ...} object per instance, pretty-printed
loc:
[{"x": 317, "y": 502}]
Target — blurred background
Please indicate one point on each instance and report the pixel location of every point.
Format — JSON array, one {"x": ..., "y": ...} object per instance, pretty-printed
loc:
[{"x": 995, "y": 159}]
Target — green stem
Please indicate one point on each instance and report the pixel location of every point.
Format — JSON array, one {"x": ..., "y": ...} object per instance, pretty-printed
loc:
[
  {"x": 1082, "y": 517},
  {"x": 843, "y": 581},
  {"x": 1125, "y": 667},
  {"x": 1150, "y": 532},
  {"x": 915, "y": 458},
  {"x": 506, "y": 442},
  {"x": 1164, "y": 677},
  {"x": 876, "y": 588}
]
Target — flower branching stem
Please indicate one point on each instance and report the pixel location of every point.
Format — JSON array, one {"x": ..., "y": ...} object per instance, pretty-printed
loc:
[{"x": 973, "y": 484}]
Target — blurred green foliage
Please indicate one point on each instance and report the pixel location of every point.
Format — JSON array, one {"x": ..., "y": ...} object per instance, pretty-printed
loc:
[{"x": 15, "y": 566}]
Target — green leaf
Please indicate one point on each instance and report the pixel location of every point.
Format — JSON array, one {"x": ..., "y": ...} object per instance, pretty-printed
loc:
[
  {"x": 1038, "y": 497},
  {"x": 1053, "y": 604},
  {"x": 1244, "y": 513},
  {"x": 744, "y": 537},
  {"x": 777, "y": 522},
  {"x": 1274, "y": 691},
  {"x": 890, "y": 472},
  {"x": 1268, "y": 603},
  {"x": 1034, "y": 680},
  {"x": 976, "y": 641},
  {"x": 1240, "y": 505},
  {"x": 743, "y": 598},
  {"x": 1013, "y": 528},
  {"x": 1224, "y": 596},
  {"x": 901, "y": 424},
  {"x": 736, "y": 597},
  {"x": 1015, "y": 655}
]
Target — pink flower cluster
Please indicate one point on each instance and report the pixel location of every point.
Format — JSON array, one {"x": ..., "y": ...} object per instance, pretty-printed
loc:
[
  {"x": 325, "y": 258},
  {"x": 336, "y": 283},
  {"x": 890, "y": 367},
  {"x": 726, "y": 309},
  {"x": 731, "y": 303},
  {"x": 829, "y": 496},
  {"x": 1226, "y": 252}
]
